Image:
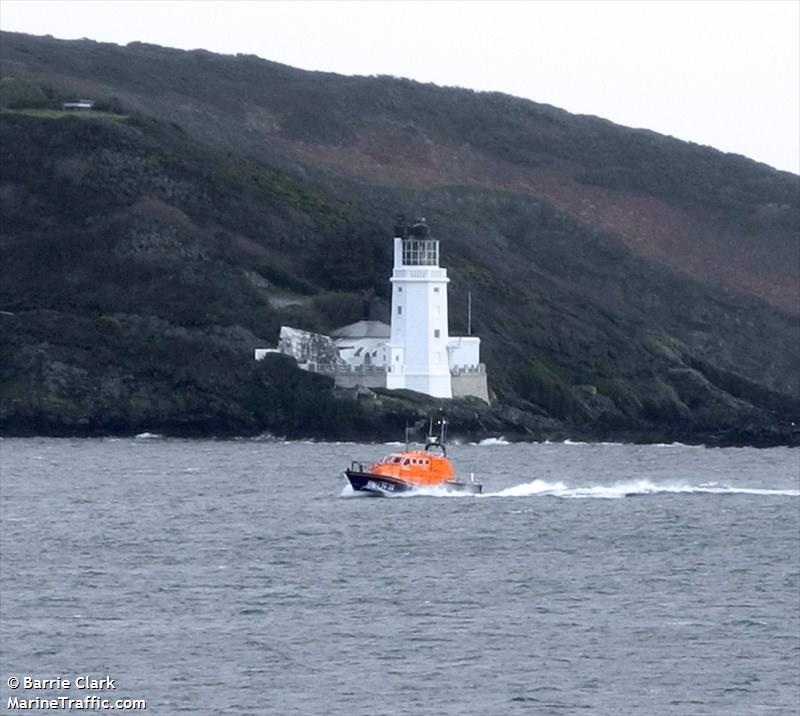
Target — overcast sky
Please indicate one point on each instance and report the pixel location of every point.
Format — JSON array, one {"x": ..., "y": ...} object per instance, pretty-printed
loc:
[{"x": 726, "y": 74}]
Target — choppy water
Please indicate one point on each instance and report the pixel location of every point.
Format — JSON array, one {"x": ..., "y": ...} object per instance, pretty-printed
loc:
[{"x": 242, "y": 577}]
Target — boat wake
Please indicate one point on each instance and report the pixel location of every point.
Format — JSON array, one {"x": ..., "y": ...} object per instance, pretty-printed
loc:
[{"x": 632, "y": 488}]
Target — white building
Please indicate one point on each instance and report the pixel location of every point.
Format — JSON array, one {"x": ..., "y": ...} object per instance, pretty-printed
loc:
[
  {"x": 416, "y": 352},
  {"x": 78, "y": 105},
  {"x": 364, "y": 343}
]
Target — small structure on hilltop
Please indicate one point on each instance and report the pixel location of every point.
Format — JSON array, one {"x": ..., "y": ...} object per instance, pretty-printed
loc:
[
  {"x": 415, "y": 352},
  {"x": 78, "y": 105}
]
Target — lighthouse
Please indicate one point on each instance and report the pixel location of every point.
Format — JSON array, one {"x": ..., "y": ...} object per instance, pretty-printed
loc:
[
  {"x": 419, "y": 340},
  {"x": 416, "y": 351}
]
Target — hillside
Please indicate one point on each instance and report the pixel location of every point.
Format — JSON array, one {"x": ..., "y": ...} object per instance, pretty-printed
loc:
[{"x": 625, "y": 283}]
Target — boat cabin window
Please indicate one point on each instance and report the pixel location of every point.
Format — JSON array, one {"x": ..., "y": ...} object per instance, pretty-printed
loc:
[{"x": 405, "y": 462}]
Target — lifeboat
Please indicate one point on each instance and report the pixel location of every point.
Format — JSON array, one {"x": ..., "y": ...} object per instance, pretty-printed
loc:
[{"x": 410, "y": 471}]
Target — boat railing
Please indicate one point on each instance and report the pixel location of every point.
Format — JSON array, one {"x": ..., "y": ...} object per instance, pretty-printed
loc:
[
  {"x": 433, "y": 443},
  {"x": 356, "y": 466}
]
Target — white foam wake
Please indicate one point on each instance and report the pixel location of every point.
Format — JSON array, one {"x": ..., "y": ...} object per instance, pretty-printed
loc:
[
  {"x": 526, "y": 489},
  {"x": 630, "y": 489}
]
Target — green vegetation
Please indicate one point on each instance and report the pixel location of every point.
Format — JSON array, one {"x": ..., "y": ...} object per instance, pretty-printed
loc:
[
  {"x": 16, "y": 93},
  {"x": 61, "y": 114}
]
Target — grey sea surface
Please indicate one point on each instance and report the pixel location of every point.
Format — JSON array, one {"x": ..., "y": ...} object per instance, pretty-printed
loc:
[{"x": 244, "y": 577}]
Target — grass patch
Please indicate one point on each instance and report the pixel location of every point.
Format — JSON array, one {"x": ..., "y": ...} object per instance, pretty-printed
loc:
[{"x": 60, "y": 113}]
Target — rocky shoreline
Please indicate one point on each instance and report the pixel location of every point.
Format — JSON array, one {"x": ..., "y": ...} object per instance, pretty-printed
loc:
[{"x": 385, "y": 418}]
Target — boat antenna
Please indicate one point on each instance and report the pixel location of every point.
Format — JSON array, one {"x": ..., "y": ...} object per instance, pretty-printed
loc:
[
  {"x": 469, "y": 313},
  {"x": 406, "y": 435}
]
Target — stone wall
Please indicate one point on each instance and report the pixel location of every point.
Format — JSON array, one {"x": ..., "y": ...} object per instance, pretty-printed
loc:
[
  {"x": 373, "y": 379},
  {"x": 470, "y": 384}
]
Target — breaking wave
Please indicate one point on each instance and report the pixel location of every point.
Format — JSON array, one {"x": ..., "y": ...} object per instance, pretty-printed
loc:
[
  {"x": 493, "y": 441},
  {"x": 267, "y": 438}
]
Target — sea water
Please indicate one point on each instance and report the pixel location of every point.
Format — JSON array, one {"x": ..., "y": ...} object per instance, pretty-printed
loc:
[{"x": 245, "y": 577}]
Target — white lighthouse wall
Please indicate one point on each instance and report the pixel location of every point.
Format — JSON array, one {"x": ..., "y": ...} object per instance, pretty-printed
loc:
[
  {"x": 464, "y": 352},
  {"x": 419, "y": 336}
]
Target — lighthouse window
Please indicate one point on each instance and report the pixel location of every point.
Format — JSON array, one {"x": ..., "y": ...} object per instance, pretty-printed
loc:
[
  {"x": 399, "y": 310},
  {"x": 400, "y": 289},
  {"x": 436, "y": 289},
  {"x": 420, "y": 252},
  {"x": 436, "y": 333}
]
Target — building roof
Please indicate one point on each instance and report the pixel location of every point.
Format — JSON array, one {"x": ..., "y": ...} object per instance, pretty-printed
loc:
[{"x": 363, "y": 329}]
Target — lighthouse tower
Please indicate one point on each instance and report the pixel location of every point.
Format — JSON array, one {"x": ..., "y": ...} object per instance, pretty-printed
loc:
[{"x": 418, "y": 346}]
